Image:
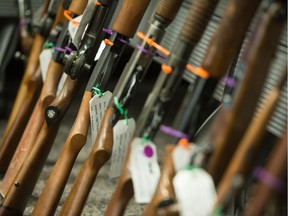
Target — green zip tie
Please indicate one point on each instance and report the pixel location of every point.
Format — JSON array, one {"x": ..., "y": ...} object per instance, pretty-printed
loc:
[
  {"x": 145, "y": 139},
  {"x": 217, "y": 211},
  {"x": 97, "y": 90},
  {"x": 48, "y": 44},
  {"x": 122, "y": 111}
]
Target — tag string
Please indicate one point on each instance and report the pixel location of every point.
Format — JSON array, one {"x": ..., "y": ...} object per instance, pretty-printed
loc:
[
  {"x": 96, "y": 90},
  {"x": 48, "y": 44},
  {"x": 122, "y": 111}
]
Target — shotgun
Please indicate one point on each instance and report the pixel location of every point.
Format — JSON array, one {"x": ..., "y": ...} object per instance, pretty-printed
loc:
[
  {"x": 237, "y": 120},
  {"x": 244, "y": 158},
  {"x": 199, "y": 12},
  {"x": 105, "y": 66},
  {"x": 271, "y": 180},
  {"x": 51, "y": 194},
  {"x": 28, "y": 91},
  {"x": 19, "y": 191}
]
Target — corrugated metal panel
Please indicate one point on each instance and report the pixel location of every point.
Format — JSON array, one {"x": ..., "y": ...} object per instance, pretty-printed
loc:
[{"x": 278, "y": 122}]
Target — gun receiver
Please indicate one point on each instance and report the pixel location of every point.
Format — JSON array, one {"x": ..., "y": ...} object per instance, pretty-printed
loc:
[
  {"x": 237, "y": 119},
  {"x": 276, "y": 169}
]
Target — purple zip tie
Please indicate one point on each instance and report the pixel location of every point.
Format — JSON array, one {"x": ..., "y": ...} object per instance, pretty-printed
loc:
[
  {"x": 172, "y": 132},
  {"x": 108, "y": 31},
  {"x": 230, "y": 82},
  {"x": 68, "y": 49},
  {"x": 60, "y": 49},
  {"x": 267, "y": 178},
  {"x": 123, "y": 41},
  {"x": 149, "y": 52}
]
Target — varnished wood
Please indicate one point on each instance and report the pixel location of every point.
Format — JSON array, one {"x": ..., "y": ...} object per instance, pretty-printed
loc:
[{"x": 51, "y": 194}]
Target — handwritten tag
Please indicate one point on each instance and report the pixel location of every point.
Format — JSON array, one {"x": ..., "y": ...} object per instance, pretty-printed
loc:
[
  {"x": 181, "y": 156},
  {"x": 44, "y": 59},
  {"x": 72, "y": 29},
  {"x": 144, "y": 168},
  {"x": 195, "y": 192},
  {"x": 122, "y": 134},
  {"x": 98, "y": 106}
]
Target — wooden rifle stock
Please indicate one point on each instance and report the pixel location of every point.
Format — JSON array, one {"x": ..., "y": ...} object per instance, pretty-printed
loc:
[
  {"x": 51, "y": 194},
  {"x": 27, "y": 96},
  {"x": 164, "y": 192},
  {"x": 33, "y": 127},
  {"x": 25, "y": 180},
  {"x": 243, "y": 160},
  {"x": 276, "y": 169},
  {"x": 258, "y": 60},
  {"x": 100, "y": 153}
]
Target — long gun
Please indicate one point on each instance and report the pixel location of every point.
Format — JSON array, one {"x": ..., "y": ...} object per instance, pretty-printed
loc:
[
  {"x": 251, "y": 144},
  {"x": 51, "y": 194},
  {"x": 271, "y": 180},
  {"x": 238, "y": 119},
  {"x": 195, "y": 23},
  {"x": 19, "y": 191},
  {"x": 76, "y": 200},
  {"x": 60, "y": 37},
  {"x": 29, "y": 89}
]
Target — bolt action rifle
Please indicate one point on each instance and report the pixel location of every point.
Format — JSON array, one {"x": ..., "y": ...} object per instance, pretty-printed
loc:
[
  {"x": 22, "y": 186},
  {"x": 238, "y": 118},
  {"x": 192, "y": 30},
  {"x": 101, "y": 15},
  {"x": 29, "y": 88},
  {"x": 123, "y": 28},
  {"x": 271, "y": 180}
]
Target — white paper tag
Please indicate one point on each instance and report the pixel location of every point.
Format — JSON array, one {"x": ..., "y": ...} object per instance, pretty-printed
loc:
[
  {"x": 181, "y": 156},
  {"x": 98, "y": 106},
  {"x": 144, "y": 168},
  {"x": 195, "y": 192},
  {"x": 122, "y": 134},
  {"x": 61, "y": 83},
  {"x": 44, "y": 59},
  {"x": 73, "y": 28}
]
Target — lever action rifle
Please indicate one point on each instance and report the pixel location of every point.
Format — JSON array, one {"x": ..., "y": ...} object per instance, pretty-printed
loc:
[
  {"x": 29, "y": 89},
  {"x": 238, "y": 117},
  {"x": 19, "y": 191},
  {"x": 48, "y": 93},
  {"x": 101, "y": 15},
  {"x": 251, "y": 144},
  {"x": 123, "y": 28},
  {"x": 199, "y": 14},
  {"x": 272, "y": 180}
]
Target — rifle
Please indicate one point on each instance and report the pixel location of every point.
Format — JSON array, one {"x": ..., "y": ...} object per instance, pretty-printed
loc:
[
  {"x": 17, "y": 196},
  {"x": 200, "y": 12},
  {"x": 28, "y": 91},
  {"x": 106, "y": 65},
  {"x": 276, "y": 172},
  {"x": 244, "y": 158},
  {"x": 237, "y": 120},
  {"x": 50, "y": 196}
]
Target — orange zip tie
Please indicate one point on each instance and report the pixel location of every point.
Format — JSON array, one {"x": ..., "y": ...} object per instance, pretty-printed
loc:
[
  {"x": 166, "y": 69},
  {"x": 67, "y": 14},
  {"x": 98, "y": 3},
  {"x": 199, "y": 71},
  {"x": 153, "y": 43},
  {"x": 108, "y": 42},
  {"x": 184, "y": 143}
]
